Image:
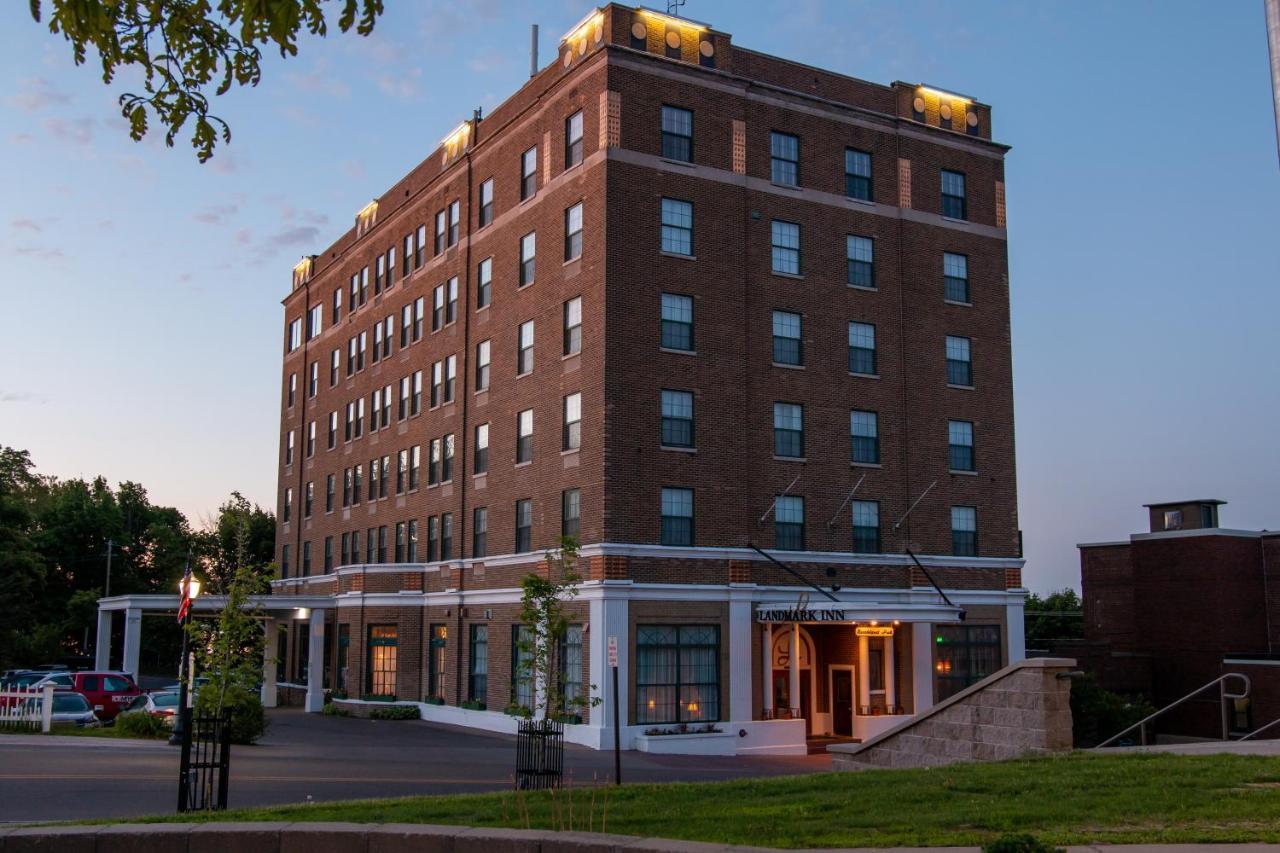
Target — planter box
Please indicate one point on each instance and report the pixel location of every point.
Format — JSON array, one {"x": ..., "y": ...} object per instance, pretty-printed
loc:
[{"x": 698, "y": 743}]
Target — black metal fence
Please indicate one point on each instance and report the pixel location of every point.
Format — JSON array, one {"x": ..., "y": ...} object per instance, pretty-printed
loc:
[
  {"x": 206, "y": 763},
  {"x": 539, "y": 754}
]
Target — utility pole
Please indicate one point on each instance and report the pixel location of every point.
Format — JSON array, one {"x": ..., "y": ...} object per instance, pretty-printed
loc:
[{"x": 110, "y": 545}]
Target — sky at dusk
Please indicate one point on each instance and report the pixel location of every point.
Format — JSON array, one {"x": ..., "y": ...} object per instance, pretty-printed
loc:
[{"x": 141, "y": 290}]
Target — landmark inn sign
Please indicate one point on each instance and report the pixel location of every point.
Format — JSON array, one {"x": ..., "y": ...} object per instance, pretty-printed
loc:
[{"x": 802, "y": 611}]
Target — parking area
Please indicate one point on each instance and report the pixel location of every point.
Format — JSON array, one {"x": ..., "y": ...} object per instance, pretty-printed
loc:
[{"x": 312, "y": 757}]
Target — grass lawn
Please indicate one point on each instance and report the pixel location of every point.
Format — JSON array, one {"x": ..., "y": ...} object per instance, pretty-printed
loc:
[
  {"x": 1075, "y": 799},
  {"x": 98, "y": 732}
]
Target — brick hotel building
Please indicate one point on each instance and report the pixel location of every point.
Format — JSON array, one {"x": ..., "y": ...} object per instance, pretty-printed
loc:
[{"x": 674, "y": 298}]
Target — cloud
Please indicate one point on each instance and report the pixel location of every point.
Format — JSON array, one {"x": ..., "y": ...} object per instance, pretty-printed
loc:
[
  {"x": 318, "y": 80},
  {"x": 400, "y": 85},
  {"x": 106, "y": 225},
  {"x": 77, "y": 132},
  {"x": 20, "y": 397},
  {"x": 299, "y": 235},
  {"x": 301, "y": 117},
  {"x": 22, "y": 138},
  {"x": 354, "y": 168},
  {"x": 35, "y": 94},
  {"x": 22, "y": 224},
  {"x": 244, "y": 237},
  {"x": 42, "y": 252},
  {"x": 489, "y": 62},
  {"x": 216, "y": 214}
]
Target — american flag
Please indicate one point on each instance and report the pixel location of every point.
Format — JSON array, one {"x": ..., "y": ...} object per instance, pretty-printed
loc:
[{"x": 186, "y": 595}]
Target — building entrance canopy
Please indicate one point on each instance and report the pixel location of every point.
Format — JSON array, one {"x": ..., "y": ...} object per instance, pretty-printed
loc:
[{"x": 805, "y": 609}]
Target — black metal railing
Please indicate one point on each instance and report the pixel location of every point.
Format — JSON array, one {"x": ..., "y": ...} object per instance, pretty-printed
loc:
[
  {"x": 539, "y": 754},
  {"x": 206, "y": 762}
]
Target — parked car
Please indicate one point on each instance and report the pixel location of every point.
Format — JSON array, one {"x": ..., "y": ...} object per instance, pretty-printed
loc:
[
  {"x": 51, "y": 667},
  {"x": 160, "y": 703},
  {"x": 199, "y": 681},
  {"x": 21, "y": 677},
  {"x": 107, "y": 692},
  {"x": 73, "y": 709}
]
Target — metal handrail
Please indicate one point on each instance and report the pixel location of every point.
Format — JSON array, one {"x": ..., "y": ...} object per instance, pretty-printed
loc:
[
  {"x": 1223, "y": 696},
  {"x": 1275, "y": 722}
]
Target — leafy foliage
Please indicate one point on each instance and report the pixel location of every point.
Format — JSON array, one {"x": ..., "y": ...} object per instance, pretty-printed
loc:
[
  {"x": 182, "y": 48},
  {"x": 141, "y": 724},
  {"x": 1098, "y": 713},
  {"x": 396, "y": 712},
  {"x": 248, "y": 719},
  {"x": 1057, "y": 616},
  {"x": 1019, "y": 843}
]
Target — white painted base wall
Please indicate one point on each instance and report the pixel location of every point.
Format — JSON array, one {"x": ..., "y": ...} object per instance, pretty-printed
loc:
[{"x": 701, "y": 743}]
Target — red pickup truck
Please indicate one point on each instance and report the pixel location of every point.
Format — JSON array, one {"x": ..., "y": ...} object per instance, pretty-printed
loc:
[{"x": 108, "y": 692}]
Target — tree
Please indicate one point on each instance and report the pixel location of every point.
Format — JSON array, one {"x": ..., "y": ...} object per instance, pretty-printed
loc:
[
  {"x": 242, "y": 533},
  {"x": 1057, "y": 616},
  {"x": 181, "y": 48},
  {"x": 22, "y": 570}
]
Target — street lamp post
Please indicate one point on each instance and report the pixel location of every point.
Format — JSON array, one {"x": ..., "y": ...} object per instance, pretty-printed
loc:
[{"x": 189, "y": 586}]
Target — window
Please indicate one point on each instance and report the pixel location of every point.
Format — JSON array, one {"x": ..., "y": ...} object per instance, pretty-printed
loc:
[
  {"x": 330, "y": 489},
  {"x": 573, "y": 140},
  {"x": 433, "y": 539},
  {"x": 959, "y": 367},
  {"x": 381, "y": 680},
  {"x": 407, "y": 260},
  {"x": 482, "y": 365},
  {"x": 486, "y": 202},
  {"x": 866, "y": 527},
  {"x": 677, "y": 322},
  {"x": 411, "y": 554},
  {"x": 784, "y": 159},
  {"x": 484, "y": 283},
  {"x": 529, "y": 173},
  {"x": 419, "y": 316},
  {"x": 389, "y": 336},
  {"x": 437, "y": 656},
  {"x": 786, "y": 247},
  {"x": 288, "y": 448},
  {"x": 966, "y": 655},
  {"x": 391, "y": 266},
  {"x": 450, "y": 377},
  {"x": 528, "y": 255},
  {"x": 451, "y": 301},
  {"x": 328, "y": 554},
  {"x": 788, "y": 430},
  {"x": 524, "y": 436},
  {"x": 295, "y": 334},
  {"x": 787, "y": 347},
  {"x": 313, "y": 379},
  {"x": 677, "y": 419},
  {"x": 862, "y": 349},
  {"x": 524, "y": 355},
  {"x": 438, "y": 246},
  {"x": 572, "y": 239},
  {"x": 437, "y": 382},
  {"x": 864, "y": 437},
  {"x": 571, "y": 660},
  {"x": 857, "y": 174},
  {"x": 433, "y": 462},
  {"x": 308, "y": 498},
  {"x": 964, "y": 531},
  {"x": 953, "y": 200},
  {"x": 570, "y": 512},
  {"x": 399, "y": 555},
  {"x": 480, "y": 461},
  {"x": 364, "y": 285},
  {"x": 363, "y": 348},
  {"x": 406, "y": 386},
  {"x": 955, "y": 277},
  {"x": 860, "y": 257},
  {"x": 402, "y": 473},
  {"x": 345, "y": 557},
  {"x": 521, "y": 666},
  {"x": 524, "y": 525},
  {"x": 677, "y": 134},
  {"x": 416, "y": 405},
  {"x": 573, "y": 326},
  {"x": 960, "y": 442},
  {"x": 346, "y": 486},
  {"x": 379, "y": 274},
  {"x": 284, "y": 561},
  {"x": 311, "y": 439},
  {"x": 677, "y": 516},
  {"x": 335, "y": 364},
  {"x": 446, "y": 462},
  {"x": 455, "y": 220},
  {"x": 571, "y": 433},
  {"x": 291, "y": 390},
  {"x": 677, "y": 673},
  {"x": 420, "y": 247},
  {"x": 446, "y": 536},
  {"x": 356, "y": 479},
  {"x": 677, "y": 227},
  {"x": 479, "y": 530},
  {"x": 788, "y": 523},
  {"x": 437, "y": 308},
  {"x": 478, "y": 684},
  {"x": 336, "y": 313},
  {"x": 415, "y": 460},
  {"x": 382, "y": 544},
  {"x": 333, "y": 430},
  {"x": 315, "y": 321}
]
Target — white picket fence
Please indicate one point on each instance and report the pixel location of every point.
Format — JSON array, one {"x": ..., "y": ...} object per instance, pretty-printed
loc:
[{"x": 26, "y": 709}]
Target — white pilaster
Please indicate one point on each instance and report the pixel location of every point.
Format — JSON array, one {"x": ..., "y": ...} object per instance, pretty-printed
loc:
[
  {"x": 890, "y": 680},
  {"x": 739, "y": 654},
  {"x": 864, "y": 674},
  {"x": 269, "y": 664},
  {"x": 609, "y": 615},
  {"x": 793, "y": 658},
  {"x": 922, "y": 666},
  {"x": 766, "y": 676},
  {"x": 315, "y": 662},
  {"x": 1015, "y": 628},
  {"x": 132, "y": 640},
  {"x": 102, "y": 649}
]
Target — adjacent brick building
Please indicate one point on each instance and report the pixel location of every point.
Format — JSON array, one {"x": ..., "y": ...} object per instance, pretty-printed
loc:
[
  {"x": 673, "y": 298},
  {"x": 1172, "y": 609}
]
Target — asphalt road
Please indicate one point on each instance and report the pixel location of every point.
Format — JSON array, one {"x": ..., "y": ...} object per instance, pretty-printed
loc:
[{"x": 311, "y": 757}]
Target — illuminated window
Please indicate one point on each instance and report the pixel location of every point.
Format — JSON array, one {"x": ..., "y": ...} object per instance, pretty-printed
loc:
[
  {"x": 966, "y": 654},
  {"x": 383, "y": 642},
  {"x": 677, "y": 673}
]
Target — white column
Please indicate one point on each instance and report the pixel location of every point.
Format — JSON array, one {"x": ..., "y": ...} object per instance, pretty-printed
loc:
[
  {"x": 767, "y": 667},
  {"x": 864, "y": 676},
  {"x": 1015, "y": 627},
  {"x": 132, "y": 640},
  {"x": 922, "y": 666},
  {"x": 739, "y": 654},
  {"x": 102, "y": 649},
  {"x": 315, "y": 662},
  {"x": 609, "y": 615},
  {"x": 269, "y": 664},
  {"x": 793, "y": 657},
  {"x": 890, "y": 682}
]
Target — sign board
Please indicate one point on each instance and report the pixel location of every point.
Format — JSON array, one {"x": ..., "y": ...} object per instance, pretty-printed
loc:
[
  {"x": 874, "y": 631},
  {"x": 802, "y": 611},
  {"x": 613, "y": 651}
]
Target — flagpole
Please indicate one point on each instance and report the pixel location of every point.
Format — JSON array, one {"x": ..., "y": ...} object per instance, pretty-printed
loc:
[{"x": 184, "y": 617}]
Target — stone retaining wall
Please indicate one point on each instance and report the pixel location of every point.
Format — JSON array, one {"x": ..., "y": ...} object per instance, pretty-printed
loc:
[{"x": 1024, "y": 709}]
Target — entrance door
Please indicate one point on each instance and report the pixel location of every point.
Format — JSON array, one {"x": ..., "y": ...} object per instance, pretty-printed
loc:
[{"x": 842, "y": 702}]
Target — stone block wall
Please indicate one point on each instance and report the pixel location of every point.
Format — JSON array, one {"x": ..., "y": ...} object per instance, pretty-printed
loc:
[{"x": 1024, "y": 709}]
